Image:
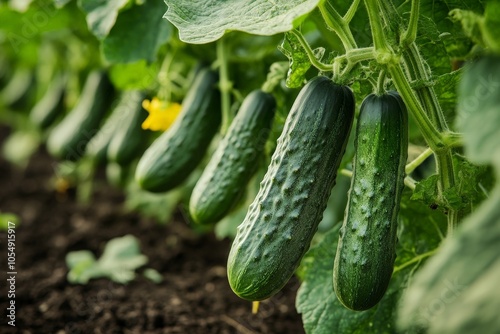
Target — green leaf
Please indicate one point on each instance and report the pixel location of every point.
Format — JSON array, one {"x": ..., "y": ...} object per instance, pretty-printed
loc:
[
  {"x": 457, "y": 290},
  {"x": 121, "y": 257},
  {"x": 153, "y": 275},
  {"x": 478, "y": 116},
  {"x": 491, "y": 25},
  {"x": 101, "y": 14},
  {"x": 206, "y": 21},
  {"x": 426, "y": 191},
  {"x": 321, "y": 310},
  {"x": 138, "y": 75},
  {"x": 445, "y": 87},
  {"x": 299, "y": 61},
  {"x": 456, "y": 43},
  {"x": 137, "y": 34},
  {"x": 432, "y": 46}
]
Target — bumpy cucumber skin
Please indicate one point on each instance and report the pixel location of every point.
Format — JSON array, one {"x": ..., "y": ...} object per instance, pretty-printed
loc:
[
  {"x": 235, "y": 160},
  {"x": 285, "y": 214},
  {"x": 176, "y": 153},
  {"x": 51, "y": 105},
  {"x": 367, "y": 244},
  {"x": 69, "y": 138},
  {"x": 129, "y": 138}
]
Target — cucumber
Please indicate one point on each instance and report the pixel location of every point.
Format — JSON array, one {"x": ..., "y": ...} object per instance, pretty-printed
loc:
[
  {"x": 51, "y": 105},
  {"x": 175, "y": 154},
  {"x": 235, "y": 160},
  {"x": 129, "y": 139},
  {"x": 69, "y": 138},
  {"x": 285, "y": 214},
  {"x": 367, "y": 244}
]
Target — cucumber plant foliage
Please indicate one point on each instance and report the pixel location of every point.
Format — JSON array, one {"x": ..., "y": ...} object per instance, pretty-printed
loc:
[{"x": 437, "y": 268}]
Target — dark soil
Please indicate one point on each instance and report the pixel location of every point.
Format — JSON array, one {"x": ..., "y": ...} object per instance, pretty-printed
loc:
[{"x": 194, "y": 296}]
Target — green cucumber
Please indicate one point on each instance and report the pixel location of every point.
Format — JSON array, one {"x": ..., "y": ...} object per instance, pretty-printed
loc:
[
  {"x": 175, "y": 154},
  {"x": 367, "y": 244},
  {"x": 69, "y": 138},
  {"x": 51, "y": 105},
  {"x": 285, "y": 214},
  {"x": 235, "y": 160},
  {"x": 129, "y": 138}
]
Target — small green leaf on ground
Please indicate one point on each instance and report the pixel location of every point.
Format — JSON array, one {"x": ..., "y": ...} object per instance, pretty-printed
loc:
[
  {"x": 121, "y": 257},
  {"x": 153, "y": 275}
]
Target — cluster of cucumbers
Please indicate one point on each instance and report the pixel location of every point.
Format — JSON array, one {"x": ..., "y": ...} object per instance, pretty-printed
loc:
[
  {"x": 284, "y": 216},
  {"x": 103, "y": 127}
]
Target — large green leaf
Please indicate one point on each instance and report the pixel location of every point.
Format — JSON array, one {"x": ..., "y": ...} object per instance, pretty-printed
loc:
[
  {"x": 457, "y": 290},
  {"x": 101, "y": 14},
  {"x": 137, "y": 34},
  {"x": 203, "y": 21},
  {"x": 479, "y": 112}
]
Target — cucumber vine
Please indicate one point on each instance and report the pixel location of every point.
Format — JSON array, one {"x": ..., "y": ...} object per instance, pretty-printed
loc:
[{"x": 403, "y": 64}]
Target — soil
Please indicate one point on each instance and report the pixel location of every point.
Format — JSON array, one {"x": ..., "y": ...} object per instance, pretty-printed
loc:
[{"x": 194, "y": 296}]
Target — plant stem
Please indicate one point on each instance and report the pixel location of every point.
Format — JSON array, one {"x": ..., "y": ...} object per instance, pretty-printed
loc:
[
  {"x": 427, "y": 95},
  {"x": 415, "y": 259},
  {"x": 225, "y": 86},
  {"x": 429, "y": 131},
  {"x": 410, "y": 167},
  {"x": 310, "y": 53},
  {"x": 337, "y": 24},
  {"x": 381, "y": 82},
  {"x": 410, "y": 33},
  {"x": 383, "y": 50},
  {"x": 351, "y": 11}
]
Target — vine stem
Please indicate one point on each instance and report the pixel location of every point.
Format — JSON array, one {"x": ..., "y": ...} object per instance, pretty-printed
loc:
[
  {"x": 381, "y": 83},
  {"x": 410, "y": 167},
  {"x": 338, "y": 24},
  {"x": 410, "y": 33},
  {"x": 351, "y": 11},
  {"x": 429, "y": 131},
  {"x": 225, "y": 85},
  {"x": 310, "y": 53},
  {"x": 417, "y": 258}
]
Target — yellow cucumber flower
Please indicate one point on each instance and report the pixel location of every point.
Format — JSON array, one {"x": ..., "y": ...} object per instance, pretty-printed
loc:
[{"x": 161, "y": 114}]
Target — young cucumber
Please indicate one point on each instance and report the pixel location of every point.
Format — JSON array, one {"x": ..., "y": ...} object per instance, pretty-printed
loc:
[
  {"x": 51, "y": 105},
  {"x": 129, "y": 138},
  {"x": 68, "y": 140},
  {"x": 123, "y": 118},
  {"x": 177, "y": 152},
  {"x": 367, "y": 244},
  {"x": 235, "y": 160},
  {"x": 285, "y": 214}
]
